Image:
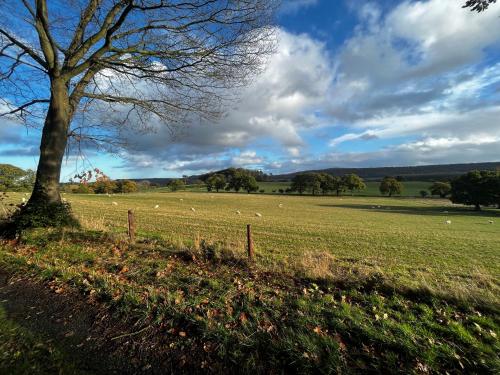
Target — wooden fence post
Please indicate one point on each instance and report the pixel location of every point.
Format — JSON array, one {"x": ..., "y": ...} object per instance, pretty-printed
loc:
[
  {"x": 250, "y": 242},
  {"x": 131, "y": 225}
]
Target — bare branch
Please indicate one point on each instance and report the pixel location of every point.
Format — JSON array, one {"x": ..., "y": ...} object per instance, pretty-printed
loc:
[
  {"x": 22, "y": 107},
  {"x": 25, "y": 48}
]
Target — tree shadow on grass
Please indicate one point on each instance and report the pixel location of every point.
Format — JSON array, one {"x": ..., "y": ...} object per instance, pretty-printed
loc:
[{"x": 429, "y": 211}]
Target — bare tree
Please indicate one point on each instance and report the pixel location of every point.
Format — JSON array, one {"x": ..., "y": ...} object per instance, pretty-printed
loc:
[{"x": 90, "y": 67}]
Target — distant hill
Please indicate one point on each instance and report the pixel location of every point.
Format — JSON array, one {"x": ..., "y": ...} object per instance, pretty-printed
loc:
[{"x": 416, "y": 173}]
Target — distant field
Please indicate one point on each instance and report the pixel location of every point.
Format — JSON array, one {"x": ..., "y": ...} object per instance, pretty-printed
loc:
[
  {"x": 407, "y": 239},
  {"x": 411, "y": 188}
]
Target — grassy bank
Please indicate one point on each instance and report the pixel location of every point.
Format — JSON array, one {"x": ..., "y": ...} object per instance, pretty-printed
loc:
[{"x": 207, "y": 309}]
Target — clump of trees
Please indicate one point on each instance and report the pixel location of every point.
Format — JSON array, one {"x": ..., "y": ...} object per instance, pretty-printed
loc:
[
  {"x": 216, "y": 182},
  {"x": 391, "y": 186},
  {"x": 176, "y": 185},
  {"x": 234, "y": 179},
  {"x": 325, "y": 183},
  {"x": 82, "y": 184},
  {"x": 477, "y": 188},
  {"x": 15, "y": 179},
  {"x": 443, "y": 189}
]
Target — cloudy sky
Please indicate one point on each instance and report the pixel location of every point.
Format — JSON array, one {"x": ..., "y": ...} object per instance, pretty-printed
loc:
[{"x": 352, "y": 83}]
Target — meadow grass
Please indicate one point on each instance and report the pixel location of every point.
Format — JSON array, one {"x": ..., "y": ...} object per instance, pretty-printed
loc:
[
  {"x": 340, "y": 284},
  {"x": 407, "y": 240}
]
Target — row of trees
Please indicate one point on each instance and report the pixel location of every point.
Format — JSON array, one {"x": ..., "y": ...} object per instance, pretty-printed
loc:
[
  {"x": 234, "y": 180},
  {"x": 325, "y": 183},
  {"x": 104, "y": 186}
]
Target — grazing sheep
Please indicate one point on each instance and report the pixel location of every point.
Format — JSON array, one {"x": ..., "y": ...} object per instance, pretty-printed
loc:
[
  {"x": 258, "y": 215},
  {"x": 491, "y": 221},
  {"x": 448, "y": 222},
  {"x": 192, "y": 209},
  {"x": 280, "y": 205},
  {"x": 24, "y": 200},
  {"x": 445, "y": 212},
  {"x": 181, "y": 200},
  {"x": 238, "y": 212},
  {"x": 156, "y": 207},
  {"x": 114, "y": 203}
]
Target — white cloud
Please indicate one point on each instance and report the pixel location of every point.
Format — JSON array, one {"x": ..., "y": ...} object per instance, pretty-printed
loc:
[{"x": 271, "y": 113}]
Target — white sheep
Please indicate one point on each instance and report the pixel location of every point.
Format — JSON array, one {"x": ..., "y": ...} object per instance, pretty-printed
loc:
[
  {"x": 156, "y": 207},
  {"x": 258, "y": 214},
  {"x": 192, "y": 209},
  {"x": 114, "y": 203},
  {"x": 24, "y": 200},
  {"x": 181, "y": 200},
  {"x": 448, "y": 222},
  {"x": 280, "y": 205},
  {"x": 238, "y": 212},
  {"x": 491, "y": 221}
]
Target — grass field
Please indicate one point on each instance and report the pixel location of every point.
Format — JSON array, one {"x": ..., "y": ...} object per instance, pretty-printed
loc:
[
  {"x": 341, "y": 284},
  {"x": 406, "y": 239}
]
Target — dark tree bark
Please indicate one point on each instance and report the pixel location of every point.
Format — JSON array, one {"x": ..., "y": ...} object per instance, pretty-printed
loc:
[{"x": 52, "y": 146}]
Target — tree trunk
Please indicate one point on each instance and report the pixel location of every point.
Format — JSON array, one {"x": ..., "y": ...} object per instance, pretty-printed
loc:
[{"x": 52, "y": 147}]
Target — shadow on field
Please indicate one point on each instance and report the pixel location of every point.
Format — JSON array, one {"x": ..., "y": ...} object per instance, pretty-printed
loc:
[{"x": 434, "y": 211}]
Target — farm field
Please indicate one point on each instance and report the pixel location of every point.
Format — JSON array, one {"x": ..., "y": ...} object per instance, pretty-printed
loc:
[
  {"x": 339, "y": 285},
  {"x": 407, "y": 240}
]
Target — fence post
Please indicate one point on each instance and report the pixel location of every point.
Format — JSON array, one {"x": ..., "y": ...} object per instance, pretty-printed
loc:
[
  {"x": 131, "y": 225},
  {"x": 250, "y": 242}
]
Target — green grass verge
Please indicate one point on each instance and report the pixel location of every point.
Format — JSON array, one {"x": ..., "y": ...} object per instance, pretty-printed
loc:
[{"x": 253, "y": 320}]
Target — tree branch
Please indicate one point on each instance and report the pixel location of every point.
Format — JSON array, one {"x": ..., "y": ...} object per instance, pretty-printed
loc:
[
  {"x": 24, "y": 106},
  {"x": 25, "y": 48}
]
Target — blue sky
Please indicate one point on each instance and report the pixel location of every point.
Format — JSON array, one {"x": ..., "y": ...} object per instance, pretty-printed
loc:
[{"x": 352, "y": 83}]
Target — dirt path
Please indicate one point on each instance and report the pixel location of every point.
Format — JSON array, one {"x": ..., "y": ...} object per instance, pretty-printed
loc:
[{"x": 79, "y": 330}]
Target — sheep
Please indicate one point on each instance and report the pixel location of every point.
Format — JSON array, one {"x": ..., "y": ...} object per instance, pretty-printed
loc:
[
  {"x": 491, "y": 221},
  {"x": 258, "y": 214},
  {"x": 181, "y": 200},
  {"x": 280, "y": 205},
  {"x": 448, "y": 222},
  {"x": 24, "y": 200},
  {"x": 192, "y": 209},
  {"x": 114, "y": 203},
  {"x": 445, "y": 212},
  {"x": 238, "y": 212},
  {"x": 156, "y": 207}
]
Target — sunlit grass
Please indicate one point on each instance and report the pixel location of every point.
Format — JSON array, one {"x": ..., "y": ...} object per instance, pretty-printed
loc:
[{"x": 405, "y": 239}]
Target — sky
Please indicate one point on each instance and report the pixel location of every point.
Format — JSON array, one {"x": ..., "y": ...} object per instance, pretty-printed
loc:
[{"x": 352, "y": 83}]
